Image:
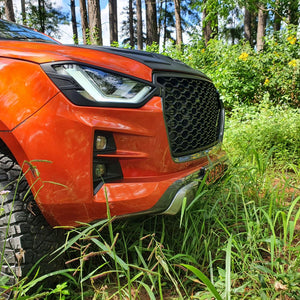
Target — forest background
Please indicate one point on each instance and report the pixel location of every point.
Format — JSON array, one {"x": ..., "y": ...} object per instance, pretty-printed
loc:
[{"x": 240, "y": 238}]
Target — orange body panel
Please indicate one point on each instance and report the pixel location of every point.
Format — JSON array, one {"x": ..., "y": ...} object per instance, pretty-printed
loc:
[
  {"x": 43, "y": 53},
  {"x": 40, "y": 125},
  {"x": 24, "y": 88}
]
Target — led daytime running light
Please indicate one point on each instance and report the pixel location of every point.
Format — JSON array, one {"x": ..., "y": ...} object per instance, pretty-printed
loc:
[{"x": 102, "y": 86}]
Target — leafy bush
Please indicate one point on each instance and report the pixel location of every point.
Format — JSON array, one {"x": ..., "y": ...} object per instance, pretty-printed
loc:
[
  {"x": 244, "y": 76},
  {"x": 263, "y": 128}
]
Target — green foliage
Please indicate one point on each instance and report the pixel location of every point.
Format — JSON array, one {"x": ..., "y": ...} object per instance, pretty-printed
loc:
[
  {"x": 263, "y": 127},
  {"x": 244, "y": 76},
  {"x": 153, "y": 48},
  {"x": 205, "y": 280}
]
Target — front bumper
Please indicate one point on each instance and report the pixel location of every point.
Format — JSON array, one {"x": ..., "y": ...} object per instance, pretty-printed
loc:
[
  {"x": 189, "y": 186},
  {"x": 151, "y": 178},
  {"x": 185, "y": 189}
]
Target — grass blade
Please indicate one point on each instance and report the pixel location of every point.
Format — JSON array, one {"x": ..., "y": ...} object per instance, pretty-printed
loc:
[
  {"x": 205, "y": 280},
  {"x": 228, "y": 269}
]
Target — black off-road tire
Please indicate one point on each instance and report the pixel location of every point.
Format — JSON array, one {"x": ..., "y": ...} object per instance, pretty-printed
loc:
[{"x": 25, "y": 236}]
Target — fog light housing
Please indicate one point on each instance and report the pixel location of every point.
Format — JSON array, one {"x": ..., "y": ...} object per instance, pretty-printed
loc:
[
  {"x": 100, "y": 142},
  {"x": 105, "y": 170},
  {"x": 100, "y": 170},
  {"x": 103, "y": 142}
]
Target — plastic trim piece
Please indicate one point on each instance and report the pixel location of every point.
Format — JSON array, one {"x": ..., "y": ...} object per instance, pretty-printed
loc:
[
  {"x": 202, "y": 152},
  {"x": 156, "y": 62},
  {"x": 187, "y": 192}
]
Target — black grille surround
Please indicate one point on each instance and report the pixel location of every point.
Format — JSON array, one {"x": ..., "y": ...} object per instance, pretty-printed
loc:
[{"x": 193, "y": 113}]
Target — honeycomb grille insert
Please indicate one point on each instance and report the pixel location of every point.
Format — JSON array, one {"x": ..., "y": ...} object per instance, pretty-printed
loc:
[{"x": 192, "y": 113}]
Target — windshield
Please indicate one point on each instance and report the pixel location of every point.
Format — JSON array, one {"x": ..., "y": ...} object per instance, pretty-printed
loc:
[{"x": 12, "y": 31}]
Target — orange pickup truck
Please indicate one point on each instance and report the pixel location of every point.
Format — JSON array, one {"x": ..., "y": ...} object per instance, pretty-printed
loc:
[{"x": 91, "y": 125}]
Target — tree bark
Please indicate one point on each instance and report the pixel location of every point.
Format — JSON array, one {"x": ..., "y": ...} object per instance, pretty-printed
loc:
[
  {"x": 261, "y": 28},
  {"x": 209, "y": 25},
  {"x": 74, "y": 23},
  {"x": 41, "y": 9},
  {"x": 113, "y": 21},
  {"x": 206, "y": 27},
  {"x": 165, "y": 24},
  {"x": 160, "y": 17},
  {"x": 95, "y": 28},
  {"x": 9, "y": 11},
  {"x": 178, "y": 23},
  {"x": 151, "y": 22},
  {"x": 247, "y": 26},
  {"x": 23, "y": 12},
  {"x": 131, "y": 29},
  {"x": 84, "y": 21},
  {"x": 139, "y": 25}
]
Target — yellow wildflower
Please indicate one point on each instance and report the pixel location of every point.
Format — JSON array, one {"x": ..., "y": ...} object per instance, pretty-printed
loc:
[
  {"x": 293, "y": 63},
  {"x": 267, "y": 81},
  {"x": 292, "y": 40},
  {"x": 244, "y": 56}
]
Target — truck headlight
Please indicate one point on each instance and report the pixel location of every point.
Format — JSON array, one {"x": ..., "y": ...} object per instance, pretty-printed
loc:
[{"x": 86, "y": 85}]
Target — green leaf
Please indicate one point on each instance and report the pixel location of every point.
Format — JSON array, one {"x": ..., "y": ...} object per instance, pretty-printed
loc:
[{"x": 205, "y": 280}]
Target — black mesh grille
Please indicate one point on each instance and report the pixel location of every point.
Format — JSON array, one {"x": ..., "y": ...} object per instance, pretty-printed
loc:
[{"x": 192, "y": 112}]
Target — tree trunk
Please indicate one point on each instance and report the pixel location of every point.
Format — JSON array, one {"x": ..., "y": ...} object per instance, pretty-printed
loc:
[
  {"x": 84, "y": 22},
  {"x": 113, "y": 21},
  {"x": 261, "y": 28},
  {"x": 209, "y": 25},
  {"x": 151, "y": 22},
  {"x": 165, "y": 24},
  {"x": 277, "y": 18},
  {"x": 178, "y": 23},
  {"x": 159, "y": 29},
  {"x": 131, "y": 29},
  {"x": 247, "y": 26},
  {"x": 206, "y": 27},
  {"x": 139, "y": 25},
  {"x": 293, "y": 14},
  {"x": 41, "y": 9},
  {"x": 9, "y": 11},
  {"x": 23, "y": 12},
  {"x": 74, "y": 23},
  {"x": 277, "y": 22},
  {"x": 95, "y": 28},
  {"x": 253, "y": 17}
]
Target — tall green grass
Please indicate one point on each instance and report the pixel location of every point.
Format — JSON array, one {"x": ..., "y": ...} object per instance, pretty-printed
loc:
[{"x": 239, "y": 239}]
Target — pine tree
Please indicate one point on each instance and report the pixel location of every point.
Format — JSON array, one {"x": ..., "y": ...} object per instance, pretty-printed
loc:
[
  {"x": 95, "y": 28},
  {"x": 178, "y": 22},
  {"x": 113, "y": 21},
  {"x": 9, "y": 10},
  {"x": 73, "y": 20},
  {"x": 151, "y": 22},
  {"x": 139, "y": 29},
  {"x": 261, "y": 28},
  {"x": 84, "y": 21},
  {"x": 44, "y": 18}
]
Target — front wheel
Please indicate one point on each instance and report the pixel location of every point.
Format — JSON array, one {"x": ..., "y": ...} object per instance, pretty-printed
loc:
[{"x": 25, "y": 235}]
